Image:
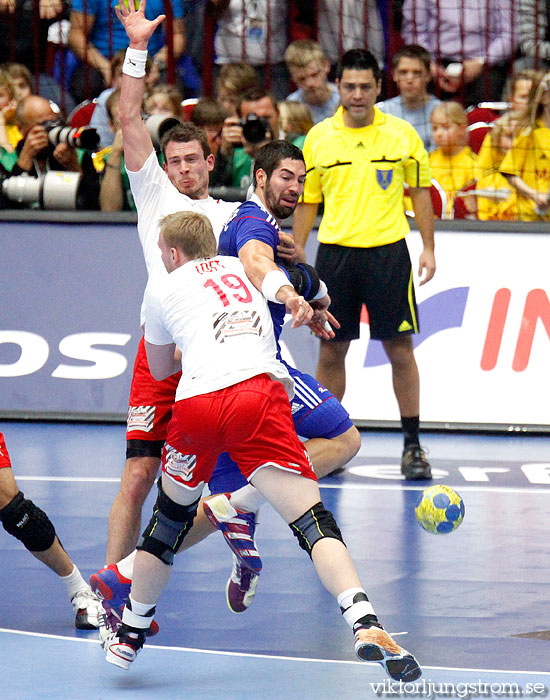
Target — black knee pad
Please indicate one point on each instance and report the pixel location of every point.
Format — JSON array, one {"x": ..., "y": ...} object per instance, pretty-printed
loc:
[
  {"x": 144, "y": 448},
  {"x": 167, "y": 528},
  {"x": 315, "y": 524},
  {"x": 28, "y": 523}
]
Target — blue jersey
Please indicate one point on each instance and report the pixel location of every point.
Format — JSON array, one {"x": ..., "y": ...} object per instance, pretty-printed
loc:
[{"x": 250, "y": 222}]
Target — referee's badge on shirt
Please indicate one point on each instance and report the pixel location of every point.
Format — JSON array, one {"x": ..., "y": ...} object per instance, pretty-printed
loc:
[{"x": 384, "y": 178}]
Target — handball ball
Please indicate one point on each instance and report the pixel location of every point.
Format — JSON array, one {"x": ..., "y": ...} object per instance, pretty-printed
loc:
[{"x": 440, "y": 510}]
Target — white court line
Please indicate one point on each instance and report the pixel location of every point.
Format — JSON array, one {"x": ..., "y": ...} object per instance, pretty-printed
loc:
[
  {"x": 76, "y": 479},
  {"x": 267, "y": 656},
  {"x": 355, "y": 485}
]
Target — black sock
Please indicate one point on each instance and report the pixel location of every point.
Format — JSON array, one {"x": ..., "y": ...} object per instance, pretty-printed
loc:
[{"x": 410, "y": 430}]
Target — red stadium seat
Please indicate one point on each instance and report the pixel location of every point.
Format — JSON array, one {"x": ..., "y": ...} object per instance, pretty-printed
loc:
[
  {"x": 486, "y": 112},
  {"x": 439, "y": 200},
  {"x": 460, "y": 210},
  {"x": 476, "y": 134},
  {"x": 82, "y": 113},
  {"x": 187, "y": 107}
]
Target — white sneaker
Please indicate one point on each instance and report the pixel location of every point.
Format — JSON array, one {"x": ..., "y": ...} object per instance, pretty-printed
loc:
[
  {"x": 87, "y": 608},
  {"x": 123, "y": 646}
]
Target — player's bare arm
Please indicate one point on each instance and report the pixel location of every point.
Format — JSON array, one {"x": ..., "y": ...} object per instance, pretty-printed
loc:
[
  {"x": 137, "y": 142},
  {"x": 257, "y": 258},
  {"x": 162, "y": 360},
  {"x": 424, "y": 216},
  {"x": 304, "y": 218}
]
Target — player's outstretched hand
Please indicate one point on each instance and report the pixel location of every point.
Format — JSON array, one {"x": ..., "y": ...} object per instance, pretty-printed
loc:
[
  {"x": 138, "y": 28},
  {"x": 301, "y": 311},
  {"x": 322, "y": 323}
]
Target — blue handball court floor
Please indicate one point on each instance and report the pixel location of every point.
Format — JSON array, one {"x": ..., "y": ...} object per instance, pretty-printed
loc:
[{"x": 473, "y": 605}]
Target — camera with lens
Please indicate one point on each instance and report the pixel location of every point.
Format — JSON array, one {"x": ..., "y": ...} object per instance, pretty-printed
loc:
[
  {"x": 84, "y": 137},
  {"x": 157, "y": 125},
  {"x": 55, "y": 190},
  {"x": 255, "y": 128}
]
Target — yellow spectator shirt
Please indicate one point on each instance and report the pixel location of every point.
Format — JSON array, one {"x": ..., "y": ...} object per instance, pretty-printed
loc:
[
  {"x": 489, "y": 177},
  {"x": 360, "y": 174},
  {"x": 452, "y": 172},
  {"x": 529, "y": 159}
]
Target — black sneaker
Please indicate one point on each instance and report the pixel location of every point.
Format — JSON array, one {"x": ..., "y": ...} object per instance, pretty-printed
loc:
[{"x": 414, "y": 465}]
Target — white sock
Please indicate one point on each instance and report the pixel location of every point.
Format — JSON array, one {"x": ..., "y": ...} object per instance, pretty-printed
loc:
[
  {"x": 137, "y": 616},
  {"x": 247, "y": 499},
  {"x": 354, "y": 610},
  {"x": 126, "y": 565},
  {"x": 74, "y": 582}
]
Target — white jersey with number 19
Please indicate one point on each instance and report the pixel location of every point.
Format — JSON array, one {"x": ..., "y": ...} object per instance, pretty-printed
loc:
[
  {"x": 155, "y": 196},
  {"x": 219, "y": 321}
]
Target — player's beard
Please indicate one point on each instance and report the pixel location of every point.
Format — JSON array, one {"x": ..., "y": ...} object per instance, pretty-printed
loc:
[{"x": 280, "y": 211}]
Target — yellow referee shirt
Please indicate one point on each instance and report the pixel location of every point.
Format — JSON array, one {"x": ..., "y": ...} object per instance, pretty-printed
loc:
[{"x": 360, "y": 175}]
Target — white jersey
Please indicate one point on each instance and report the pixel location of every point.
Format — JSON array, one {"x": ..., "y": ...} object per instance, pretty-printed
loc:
[
  {"x": 219, "y": 321},
  {"x": 155, "y": 196}
]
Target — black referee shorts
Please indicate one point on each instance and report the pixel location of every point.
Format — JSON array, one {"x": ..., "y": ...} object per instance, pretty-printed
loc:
[{"x": 381, "y": 278}]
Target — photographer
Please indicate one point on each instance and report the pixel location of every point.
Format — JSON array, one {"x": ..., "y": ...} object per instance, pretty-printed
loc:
[
  {"x": 256, "y": 123},
  {"x": 36, "y": 154}
]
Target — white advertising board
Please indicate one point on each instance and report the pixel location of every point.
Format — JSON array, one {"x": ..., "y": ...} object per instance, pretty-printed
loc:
[{"x": 484, "y": 348}]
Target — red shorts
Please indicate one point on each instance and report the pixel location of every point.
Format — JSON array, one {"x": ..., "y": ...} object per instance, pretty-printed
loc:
[
  {"x": 4, "y": 456},
  {"x": 250, "y": 420},
  {"x": 150, "y": 405}
]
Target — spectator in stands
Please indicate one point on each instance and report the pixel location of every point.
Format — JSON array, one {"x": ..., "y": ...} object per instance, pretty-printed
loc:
[
  {"x": 210, "y": 115},
  {"x": 488, "y": 176},
  {"x": 96, "y": 35},
  {"x": 452, "y": 163},
  {"x": 347, "y": 24},
  {"x": 526, "y": 163},
  {"x": 254, "y": 32},
  {"x": 534, "y": 33},
  {"x": 518, "y": 86},
  {"x": 100, "y": 118},
  {"x": 235, "y": 159},
  {"x": 115, "y": 193},
  {"x": 234, "y": 79},
  {"x": 24, "y": 37},
  {"x": 296, "y": 121},
  {"x": 9, "y": 131},
  {"x": 35, "y": 155},
  {"x": 309, "y": 68},
  {"x": 414, "y": 104},
  {"x": 163, "y": 99},
  {"x": 478, "y": 35}
]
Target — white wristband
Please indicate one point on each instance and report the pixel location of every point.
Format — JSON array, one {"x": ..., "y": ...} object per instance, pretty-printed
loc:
[
  {"x": 134, "y": 62},
  {"x": 273, "y": 281},
  {"x": 323, "y": 291}
]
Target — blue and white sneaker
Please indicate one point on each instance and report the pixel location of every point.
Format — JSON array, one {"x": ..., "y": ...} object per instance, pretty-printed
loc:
[
  {"x": 375, "y": 644},
  {"x": 237, "y": 528}
]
